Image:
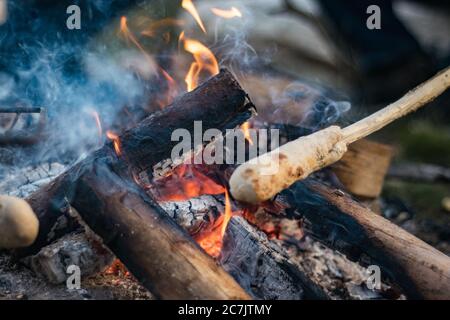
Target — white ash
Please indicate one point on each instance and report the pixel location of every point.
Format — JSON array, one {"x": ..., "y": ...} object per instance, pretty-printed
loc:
[
  {"x": 21, "y": 183},
  {"x": 339, "y": 277},
  {"x": 73, "y": 249},
  {"x": 195, "y": 214},
  {"x": 51, "y": 262}
]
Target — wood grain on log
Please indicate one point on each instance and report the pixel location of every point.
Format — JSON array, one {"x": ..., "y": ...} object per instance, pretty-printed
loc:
[
  {"x": 219, "y": 103},
  {"x": 262, "y": 267},
  {"x": 161, "y": 255},
  {"x": 341, "y": 223}
]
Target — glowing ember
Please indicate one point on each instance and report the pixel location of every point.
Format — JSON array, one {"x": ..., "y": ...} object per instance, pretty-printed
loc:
[
  {"x": 227, "y": 14},
  {"x": 212, "y": 241},
  {"x": 189, "y": 7},
  {"x": 116, "y": 142},
  {"x": 185, "y": 183},
  {"x": 245, "y": 128},
  {"x": 117, "y": 268},
  {"x": 205, "y": 61}
]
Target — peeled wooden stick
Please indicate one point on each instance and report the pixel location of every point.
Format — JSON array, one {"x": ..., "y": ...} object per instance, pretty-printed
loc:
[{"x": 263, "y": 177}]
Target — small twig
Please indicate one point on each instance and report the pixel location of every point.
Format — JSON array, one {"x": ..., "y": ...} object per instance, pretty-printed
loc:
[
  {"x": 24, "y": 139},
  {"x": 20, "y": 110}
]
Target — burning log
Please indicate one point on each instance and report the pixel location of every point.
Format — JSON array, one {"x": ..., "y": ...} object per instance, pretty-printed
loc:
[
  {"x": 260, "y": 266},
  {"x": 263, "y": 267},
  {"x": 220, "y": 103},
  {"x": 149, "y": 243},
  {"x": 131, "y": 224},
  {"x": 343, "y": 224},
  {"x": 263, "y": 177}
]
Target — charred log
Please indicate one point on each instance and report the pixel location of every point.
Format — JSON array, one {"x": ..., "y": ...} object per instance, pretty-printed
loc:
[
  {"x": 341, "y": 223},
  {"x": 149, "y": 243},
  {"x": 128, "y": 221},
  {"x": 260, "y": 266},
  {"x": 219, "y": 103}
]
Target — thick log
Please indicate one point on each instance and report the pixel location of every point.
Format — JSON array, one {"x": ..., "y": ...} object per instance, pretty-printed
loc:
[
  {"x": 341, "y": 223},
  {"x": 161, "y": 255},
  {"x": 262, "y": 267},
  {"x": 219, "y": 103},
  {"x": 130, "y": 223}
]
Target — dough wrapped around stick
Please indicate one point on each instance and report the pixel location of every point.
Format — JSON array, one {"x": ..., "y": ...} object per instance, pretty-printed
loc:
[
  {"x": 19, "y": 225},
  {"x": 261, "y": 178}
]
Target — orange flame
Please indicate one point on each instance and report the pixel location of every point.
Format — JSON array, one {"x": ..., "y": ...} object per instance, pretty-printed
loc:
[
  {"x": 204, "y": 61},
  {"x": 185, "y": 183},
  {"x": 130, "y": 37},
  {"x": 116, "y": 141},
  {"x": 245, "y": 128},
  {"x": 212, "y": 242},
  {"x": 227, "y": 14},
  {"x": 171, "y": 84},
  {"x": 117, "y": 268},
  {"x": 98, "y": 123},
  {"x": 189, "y": 7},
  {"x": 151, "y": 31}
]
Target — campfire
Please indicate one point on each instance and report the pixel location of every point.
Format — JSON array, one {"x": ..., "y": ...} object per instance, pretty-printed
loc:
[{"x": 136, "y": 204}]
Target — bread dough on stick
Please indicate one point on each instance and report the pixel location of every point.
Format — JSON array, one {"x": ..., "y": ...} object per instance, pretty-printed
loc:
[
  {"x": 260, "y": 178},
  {"x": 263, "y": 177}
]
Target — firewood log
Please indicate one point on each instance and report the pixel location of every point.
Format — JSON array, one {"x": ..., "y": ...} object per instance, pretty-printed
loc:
[
  {"x": 155, "y": 249},
  {"x": 219, "y": 103},
  {"x": 341, "y": 223},
  {"x": 161, "y": 255}
]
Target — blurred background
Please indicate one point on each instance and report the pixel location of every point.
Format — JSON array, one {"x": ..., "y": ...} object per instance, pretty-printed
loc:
[{"x": 305, "y": 63}]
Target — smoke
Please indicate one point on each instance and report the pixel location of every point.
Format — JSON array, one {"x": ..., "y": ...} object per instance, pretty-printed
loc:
[
  {"x": 43, "y": 64},
  {"x": 78, "y": 80},
  {"x": 245, "y": 45}
]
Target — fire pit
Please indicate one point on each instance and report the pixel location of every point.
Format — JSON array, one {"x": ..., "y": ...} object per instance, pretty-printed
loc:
[{"x": 151, "y": 174}]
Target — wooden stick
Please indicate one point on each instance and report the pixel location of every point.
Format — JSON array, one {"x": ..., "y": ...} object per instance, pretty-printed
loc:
[
  {"x": 412, "y": 101},
  {"x": 263, "y": 177}
]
